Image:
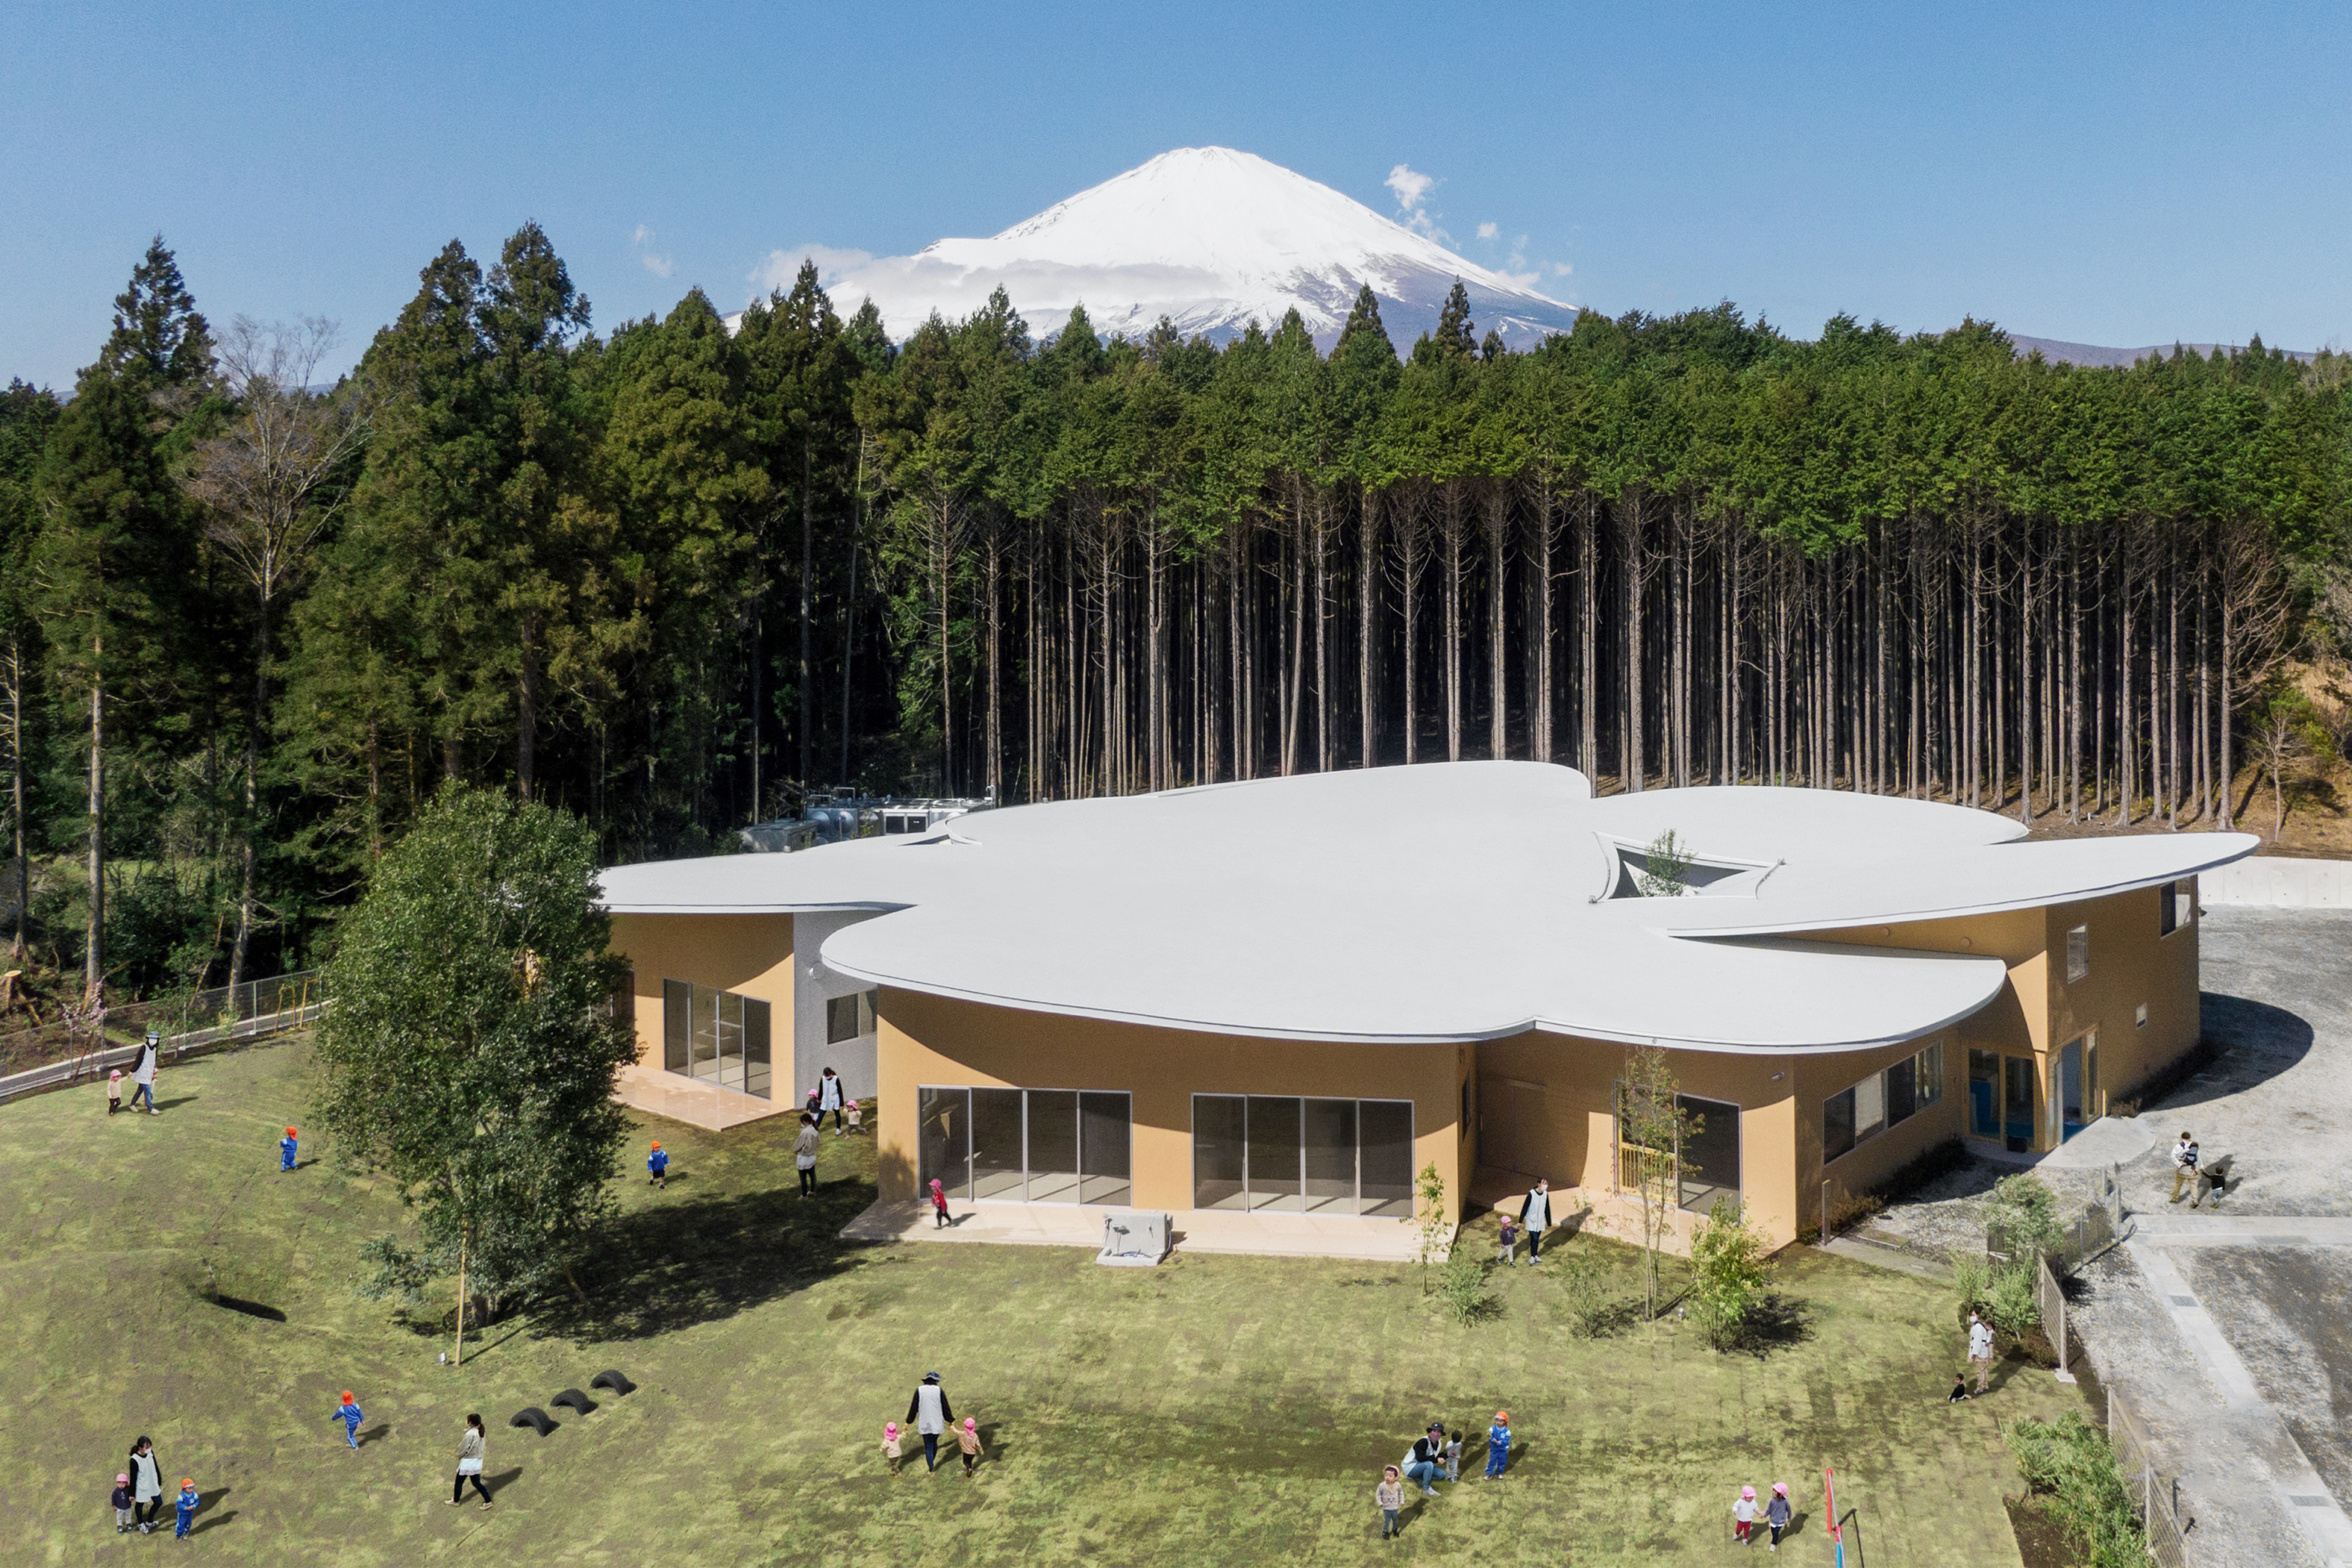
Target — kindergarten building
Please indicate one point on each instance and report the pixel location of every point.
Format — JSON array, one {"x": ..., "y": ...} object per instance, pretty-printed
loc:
[{"x": 1291, "y": 996}]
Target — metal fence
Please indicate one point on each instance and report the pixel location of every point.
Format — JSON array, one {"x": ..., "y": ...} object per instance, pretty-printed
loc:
[
  {"x": 2159, "y": 1496},
  {"x": 65, "y": 1051}
]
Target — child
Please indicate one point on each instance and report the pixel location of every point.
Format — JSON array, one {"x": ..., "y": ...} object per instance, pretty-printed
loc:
[
  {"x": 286, "y": 1147},
  {"x": 1454, "y": 1456},
  {"x": 114, "y": 1091},
  {"x": 657, "y": 1168},
  {"x": 122, "y": 1501},
  {"x": 1743, "y": 1516},
  {"x": 350, "y": 1415},
  {"x": 890, "y": 1444},
  {"x": 855, "y": 1119},
  {"x": 1959, "y": 1387},
  {"x": 186, "y": 1505},
  {"x": 968, "y": 1440},
  {"x": 939, "y": 1204},
  {"x": 1389, "y": 1496},
  {"x": 1776, "y": 1513},
  {"x": 1508, "y": 1257},
  {"x": 1498, "y": 1444}
]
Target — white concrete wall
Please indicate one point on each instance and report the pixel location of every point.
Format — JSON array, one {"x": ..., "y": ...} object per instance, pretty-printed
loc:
[
  {"x": 2278, "y": 882},
  {"x": 813, "y": 984}
]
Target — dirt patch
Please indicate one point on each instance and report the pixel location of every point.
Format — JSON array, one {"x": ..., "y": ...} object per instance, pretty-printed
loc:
[{"x": 2042, "y": 1541}]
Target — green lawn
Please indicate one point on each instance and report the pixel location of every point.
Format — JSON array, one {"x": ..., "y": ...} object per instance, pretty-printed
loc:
[{"x": 1215, "y": 1409}]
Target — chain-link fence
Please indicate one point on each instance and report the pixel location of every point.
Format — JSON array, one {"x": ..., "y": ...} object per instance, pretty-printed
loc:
[
  {"x": 2159, "y": 1496},
  {"x": 65, "y": 1049}
]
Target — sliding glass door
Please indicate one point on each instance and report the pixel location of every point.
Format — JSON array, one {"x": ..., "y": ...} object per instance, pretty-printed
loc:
[
  {"x": 1293, "y": 1156},
  {"x": 1027, "y": 1145},
  {"x": 719, "y": 1037}
]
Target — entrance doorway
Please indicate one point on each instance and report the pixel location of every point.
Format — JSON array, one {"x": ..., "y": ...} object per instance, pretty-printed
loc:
[
  {"x": 2071, "y": 1101},
  {"x": 1710, "y": 1157},
  {"x": 2017, "y": 1104}
]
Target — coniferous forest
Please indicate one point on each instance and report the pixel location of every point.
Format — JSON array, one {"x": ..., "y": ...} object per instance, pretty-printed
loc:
[{"x": 673, "y": 576}]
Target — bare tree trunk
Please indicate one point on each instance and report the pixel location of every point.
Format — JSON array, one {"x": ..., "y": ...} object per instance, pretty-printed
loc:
[
  {"x": 15, "y": 671},
  {"x": 1498, "y": 517},
  {"x": 93, "y": 982}
]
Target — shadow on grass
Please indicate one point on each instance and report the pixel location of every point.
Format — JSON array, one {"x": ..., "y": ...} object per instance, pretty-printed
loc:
[
  {"x": 671, "y": 1266},
  {"x": 250, "y": 1309},
  {"x": 497, "y": 1483},
  {"x": 211, "y": 1501},
  {"x": 161, "y": 1105},
  {"x": 375, "y": 1433},
  {"x": 1776, "y": 1323}
]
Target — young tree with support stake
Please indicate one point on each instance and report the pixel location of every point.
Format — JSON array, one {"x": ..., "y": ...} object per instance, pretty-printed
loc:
[
  {"x": 1652, "y": 1129},
  {"x": 472, "y": 1050}
]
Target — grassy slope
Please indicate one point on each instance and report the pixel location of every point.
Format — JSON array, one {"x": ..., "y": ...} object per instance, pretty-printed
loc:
[{"x": 1234, "y": 1409}]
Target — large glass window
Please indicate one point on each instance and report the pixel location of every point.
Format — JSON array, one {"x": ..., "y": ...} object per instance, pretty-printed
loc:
[
  {"x": 1711, "y": 1156},
  {"x": 719, "y": 1037},
  {"x": 1891, "y": 1096},
  {"x": 1984, "y": 1093},
  {"x": 1312, "y": 1156},
  {"x": 1034, "y": 1145}
]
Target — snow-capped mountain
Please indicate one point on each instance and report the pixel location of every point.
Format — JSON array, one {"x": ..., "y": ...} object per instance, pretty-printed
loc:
[{"x": 1210, "y": 237}]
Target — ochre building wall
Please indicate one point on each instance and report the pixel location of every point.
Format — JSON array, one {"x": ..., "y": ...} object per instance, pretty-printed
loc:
[
  {"x": 933, "y": 1040},
  {"x": 751, "y": 955}
]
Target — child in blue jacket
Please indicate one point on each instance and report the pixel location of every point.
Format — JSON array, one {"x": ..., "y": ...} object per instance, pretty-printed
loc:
[
  {"x": 349, "y": 1413},
  {"x": 286, "y": 1150},
  {"x": 657, "y": 1168},
  {"x": 186, "y": 1505},
  {"x": 1498, "y": 1444}
]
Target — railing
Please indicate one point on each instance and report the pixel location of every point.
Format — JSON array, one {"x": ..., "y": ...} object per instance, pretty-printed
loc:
[
  {"x": 2160, "y": 1497},
  {"x": 78, "y": 1047}
]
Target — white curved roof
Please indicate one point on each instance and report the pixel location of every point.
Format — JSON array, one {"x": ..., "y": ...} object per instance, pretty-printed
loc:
[{"x": 1446, "y": 901}]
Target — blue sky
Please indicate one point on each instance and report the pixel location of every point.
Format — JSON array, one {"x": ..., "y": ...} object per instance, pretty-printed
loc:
[{"x": 2119, "y": 175}]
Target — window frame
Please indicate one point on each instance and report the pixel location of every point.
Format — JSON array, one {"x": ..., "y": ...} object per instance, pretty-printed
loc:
[
  {"x": 1926, "y": 1065},
  {"x": 1125, "y": 1193},
  {"x": 2078, "y": 953}
]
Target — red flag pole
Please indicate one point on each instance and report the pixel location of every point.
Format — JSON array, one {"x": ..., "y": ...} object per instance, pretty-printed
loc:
[{"x": 1829, "y": 1490}]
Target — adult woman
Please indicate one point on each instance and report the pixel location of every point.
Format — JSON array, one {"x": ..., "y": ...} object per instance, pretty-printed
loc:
[
  {"x": 146, "y": 1483},
  {"x": 804, "y": 1153},
  {"x": 829, "y": 1098},
  {"x": 142, "y": 1077},
  {"x": 469, "y": 1463}
]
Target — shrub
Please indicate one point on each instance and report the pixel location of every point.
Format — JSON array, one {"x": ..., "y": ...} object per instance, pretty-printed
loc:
[
  {"x": 2022, "y": 1216},
  {"x": 1583, "y": 1285},
  {"x": 1729, "y": 1272},
  {"x": 2069, "y": 1461},
  {"x": 1461, "y": 1286}
]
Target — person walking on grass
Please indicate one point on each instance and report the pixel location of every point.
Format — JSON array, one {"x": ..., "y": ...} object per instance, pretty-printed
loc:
[
  {"x": 1534, "y": 1218},
  {"x": 288, "y": 1147},
  {"x": 469, "y": 1463},
  {"x": 1426, "y": 1462},
  {"x": 804, "y": 1153},
  {"x": 658, "y": 1167},
  {"x": 890, "y": 1449},
  {"x": 2184, "y": 1166},
  {"x": 114, "y": 1091},
  {"x": 349, "y": 1413},
  {"x": 123, "y": 1503},
  {"x": 830, "y": 1098},
  {"x": 184, "y": 1506},
  {"x": 143, "y": 1074},
  {"x": 1389, "y": 1498},
  {"x": 968, "y": 1440},
  {"x": 1743, "y": 1516},
  {"x": 1498, "y": 1446},
  {"x": 1508, "y": 1256},
  {"x": 1776, "y": 1513},
  {"x": 146, "y": 1484},
  {"x": 1980, "y": 1349},
  {"x": 930, "y": 1415}
]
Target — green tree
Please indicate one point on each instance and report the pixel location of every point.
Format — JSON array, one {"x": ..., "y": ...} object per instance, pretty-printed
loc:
[
  {"x": 472, "y": 1049},
  {"x": 1652, "y": 1127},
  {"x": 28, "y": 415}
]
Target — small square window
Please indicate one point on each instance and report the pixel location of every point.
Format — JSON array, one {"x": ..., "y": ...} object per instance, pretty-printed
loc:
[
  {"x": 2139, "y": 1016},
  {"x": 848, "y": 1017},
  {"x": 2176, "y": 905},
  {"x": 2078, "y": 953}
]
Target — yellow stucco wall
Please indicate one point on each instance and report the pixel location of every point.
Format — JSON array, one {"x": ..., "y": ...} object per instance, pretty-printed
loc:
[
  {"x": 2130, "y": 964},
  {"x": 751, "y": 955},
  {"x": 938, "y": 1041}
]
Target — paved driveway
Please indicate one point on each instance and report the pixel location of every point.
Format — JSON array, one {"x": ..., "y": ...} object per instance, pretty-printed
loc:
[{"x": 2227, "y": 1327}]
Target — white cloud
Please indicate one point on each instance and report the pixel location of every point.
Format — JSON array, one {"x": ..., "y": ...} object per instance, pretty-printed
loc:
[
  {"x": 641, "y": 240},
  {"x": 775, "y": 271},
  {"x": 1561, "y": 270},
  {"x": 1410, "y": 187},
  {"x": 1490, "y": 230}
]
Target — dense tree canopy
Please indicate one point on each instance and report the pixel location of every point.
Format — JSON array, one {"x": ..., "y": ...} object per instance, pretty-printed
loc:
[{"x": 674, "y": 577}]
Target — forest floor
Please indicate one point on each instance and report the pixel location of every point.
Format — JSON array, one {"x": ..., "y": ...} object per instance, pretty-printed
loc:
[{"x": 1213, "y": 1409}]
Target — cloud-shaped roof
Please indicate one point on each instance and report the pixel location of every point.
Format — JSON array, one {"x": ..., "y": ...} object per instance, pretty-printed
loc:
[{"x": 1446, "y": 901}]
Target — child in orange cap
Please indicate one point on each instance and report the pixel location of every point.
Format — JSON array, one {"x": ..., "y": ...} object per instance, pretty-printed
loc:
[
  {"x": 1498, "y": 1445},
  {"x": 349, "y": 1413},
  {"x": 657, "y": 1168},
  {"x": 184, "y": 1506},
  {"x": 286, "y": 1147}
]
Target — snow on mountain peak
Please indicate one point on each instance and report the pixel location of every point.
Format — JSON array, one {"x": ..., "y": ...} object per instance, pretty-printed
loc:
[{"x": 1210, "y": 237}]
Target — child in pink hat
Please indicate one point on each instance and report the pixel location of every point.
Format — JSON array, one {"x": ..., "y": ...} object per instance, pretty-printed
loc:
[
  {"x": 890, "y": 1444},
  {"x": 969, "y": 1441},
  {"x": 1743, "y": 1516},
  {"x": 1776, "y": 1512}
]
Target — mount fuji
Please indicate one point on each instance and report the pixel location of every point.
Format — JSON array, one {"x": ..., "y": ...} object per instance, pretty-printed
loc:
[{"x": 1210, "y": 238}]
